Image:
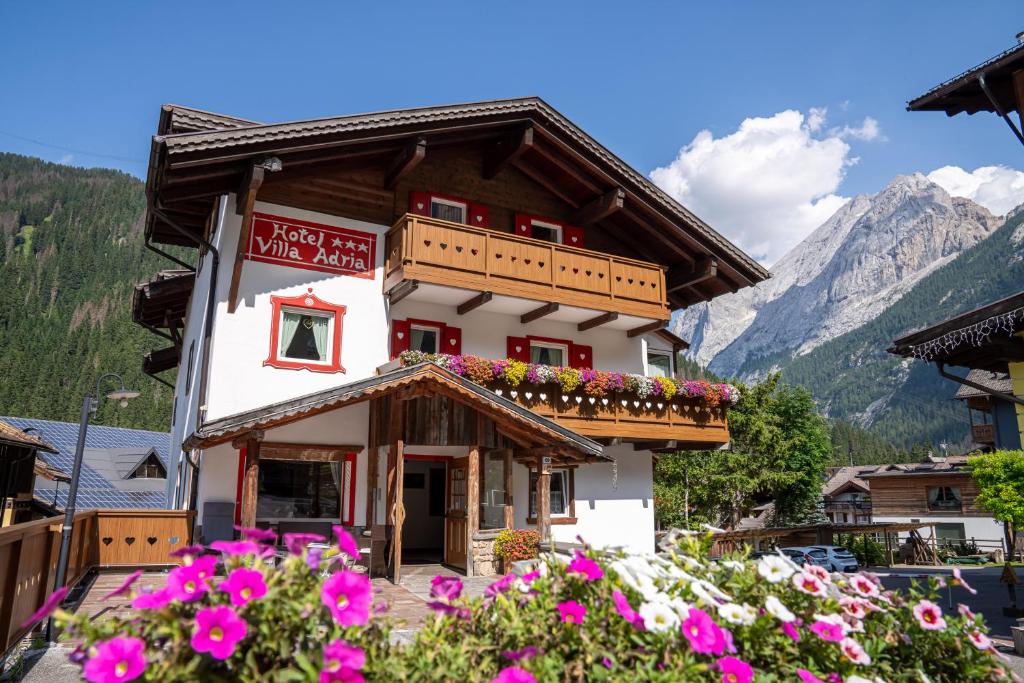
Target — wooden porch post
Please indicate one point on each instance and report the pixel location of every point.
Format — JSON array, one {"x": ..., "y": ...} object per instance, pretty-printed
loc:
[
  {"x": 543, "y": 498},
  {"x": 251, "y": 478},
  {"x": 395, "y": 513},
  {"x": 510, "y": 511},
  {"x": 472, "y": 505}
]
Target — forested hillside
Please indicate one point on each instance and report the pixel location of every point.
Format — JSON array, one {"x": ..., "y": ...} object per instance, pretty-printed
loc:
[{"x": 71, "y": 250}]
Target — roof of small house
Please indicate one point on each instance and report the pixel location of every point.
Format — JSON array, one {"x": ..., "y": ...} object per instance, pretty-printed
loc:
[
  {"x": 107, "y": 449},
  {"x": 996, "y": 381},
  {"x": 12, "y": 435},
  {"x": 843, "y": 478},
  {"x": 933, "y": 465},
  {"x": 963, "y": 93}
]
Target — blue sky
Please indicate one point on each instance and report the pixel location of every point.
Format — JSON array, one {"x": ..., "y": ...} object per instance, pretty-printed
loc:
[{"x": 643, "y": 78}]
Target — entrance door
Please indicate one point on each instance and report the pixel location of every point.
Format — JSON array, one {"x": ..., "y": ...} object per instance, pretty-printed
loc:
[{"x": 455, "y": 513}]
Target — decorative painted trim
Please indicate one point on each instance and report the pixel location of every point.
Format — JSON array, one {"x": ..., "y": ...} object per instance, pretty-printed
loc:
[{"x": 308, "y": 301}]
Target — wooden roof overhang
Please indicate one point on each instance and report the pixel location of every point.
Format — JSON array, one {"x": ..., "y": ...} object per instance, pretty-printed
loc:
[
  {"x": 12, "y": 436},
  {"x": 520, "y": 425},
  {"x": 161, "y": 303},
  {"x": 986, "y": 338},
  {"x": 189, "y": 169},
  {"x": 963, "y": 93}
]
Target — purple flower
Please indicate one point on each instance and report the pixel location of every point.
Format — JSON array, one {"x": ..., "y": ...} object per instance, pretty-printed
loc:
[
  {"x": 342, "y": 662},
  {"x": 152, "y": 599},
  {"x": 204, "y": 566},
  {"x": 189, "y": 551},
  {"x": 297, "y": 542},
  {"x": 257, "y": 534},
  {"x": 607, "y": 662},
  {"x": 313, "y": 558},
  {"x": 51, "y": 603},
  {"x": 807, "y": 677},
  {"x": 735, "y": 670},
  {"x": 790, "y": 630},
  {"x": 626, "y": 611},
  {"x": 530, "y": 577},
  {"x": 827, "y": 631},
  {"x": 448, "y": 609},
  {"x": 125, "y": 585},
  {"x": 346, "y": 543},
  {"x": 217, "y": 631},
  {"x": 584, "y": 567},
  {"x": 187, "y": 583},
  {"x": 445, "y": 587},
  {"x": 116, "y": 660},
  {"x": 703, "y": 634},
  {"x": 572, "y": 612},
  {"x": 514, "y": 674},
  {"x": 502, "y": 585},
  {"x": 235, "y": 548},
  {"x": 244, "y": 585},
  {"x": 347, "y": 595},
  {"x": 517, "y": 655}
]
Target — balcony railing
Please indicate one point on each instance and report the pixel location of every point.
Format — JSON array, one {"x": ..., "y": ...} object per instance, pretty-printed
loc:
[{"x": 451, "y": 254}]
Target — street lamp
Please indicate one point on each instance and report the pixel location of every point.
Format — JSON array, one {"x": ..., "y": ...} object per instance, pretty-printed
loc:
[{"x": 90, "y": 404}]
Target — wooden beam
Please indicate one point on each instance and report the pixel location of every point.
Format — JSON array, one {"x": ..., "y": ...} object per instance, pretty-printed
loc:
[
  {"x": 670, "y": 444},
  {"x": 245, "y": 201},
  {"x": 472, "y": 502},
  {"x": 644, "y": 329},
  {"x": 474, "y": 303},
  {"x": 703, "y": 269},
  {"x": 243, "y": 440},
  {"x": 278, "y": 450},
  {"x": 538, "y": 313},
  {"x": 402, "y": 290},
  {"x": 250, "y": 483},
  {"x": 602, "y": 207},
  {"x": 510, "y": 515},
  {"x": 539, "y": 178},
  {"x": 602, "y": 319},
  {"x": 543, "y": 498},
  {"x": 505, "y": 151},
  {"x": 403, "y": 164}
]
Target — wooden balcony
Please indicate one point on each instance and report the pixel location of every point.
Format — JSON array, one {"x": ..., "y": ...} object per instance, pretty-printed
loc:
[
  {"x": 425, "y": 252},
  {"x": 983, "y": 434},
  {"x": 688, "y": 422}
]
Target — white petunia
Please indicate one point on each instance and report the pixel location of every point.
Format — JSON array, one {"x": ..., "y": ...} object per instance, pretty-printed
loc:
[
  {"x": 775, "y": 608},
  {"x": 744, "y": 615},
  {"x": 733, "y": 565},
  {"x": 658, "y": 616},
  {"x": 774, "y": 568},
  {"x": 681, "y": 607}
]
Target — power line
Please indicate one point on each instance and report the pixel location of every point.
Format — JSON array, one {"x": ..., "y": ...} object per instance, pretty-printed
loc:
[{"x": 72, "y": 149}]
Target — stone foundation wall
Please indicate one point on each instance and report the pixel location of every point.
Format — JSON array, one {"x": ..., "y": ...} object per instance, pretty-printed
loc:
[{"x": 485, "y": 562}]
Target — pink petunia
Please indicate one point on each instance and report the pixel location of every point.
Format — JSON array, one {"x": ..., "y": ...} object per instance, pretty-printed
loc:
[
  {"x": 820, "y": 572},
  {"x": 347, "y": 595},
  {"x": 342, "y": 662},
  {"x": 235, "y": 548},
  {"x": 853, "y": 651},
  {"x": 854, "y": 607},
  {"x": 807, "y": 582},
  {"x": 205, "y": 566},
  {"x": 125, "y": 586},
  {"x": 790, "y": 630},
  {"x": 518, "y": 655},
  {"x": 929, "y": 616},
  {"x": 863, "y": 586},
  {"x": 218, "y": 631},
  {"x": 958, "y": 580},
  {"x": 153, "y": 599},
  {"x": 187, "y": 583},
  {"x": 979, "y": 640},
  {"x": 807, "y": 677},
  {"x": 244, "y": 585},
  {"x": 346, "y": 543},
  {"x": 297, "y": 542},
  {"x": 116, "y": 660},
  {"x": 572, "y": 612},
  {"x": 827, "y": 631},
  {"x": 49, "y": 605},
  {"x": 585, "y": 567},
  {"x": 445, "y": 588},
  {"x": 965, "y": 612},
  {"x": 257, "y": 534},
  {"x": 514, "y": 674},
  {"x": 500, "y": 586},
  {"x": 735, "y": 670},
  {"x": 626, "y": 611},
  {"x": 188, "y": 552},
  {"x": 703, "y": 634}
]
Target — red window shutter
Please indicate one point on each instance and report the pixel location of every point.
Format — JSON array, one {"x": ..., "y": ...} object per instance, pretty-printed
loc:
[
  {"x": 399, "y": 337},
  {"x": 524, "y": 225},
  {"x": 451, "y": 341},
  {"x": 581, "y": 356},
  {"x": 572, "y": 236},
  {"x": 419, "y": 203},
  {"x": 519, "y": 349},
  {"x": 479, "y": 216}
]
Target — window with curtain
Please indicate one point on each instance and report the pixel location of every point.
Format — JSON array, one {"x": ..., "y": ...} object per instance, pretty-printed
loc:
[
  {"x": 422, "y": 338},
  {"x": 447, "y": 211},
  {"x": 492, "y": 491},
  {"x": 295, "y": 489},
  {"x": 305, "y": 335},
  {"x": 659, "y": 364},
  {"x": 560, "y": 498},
  {"x": 944, "y": 498},
  {"x": 547, "y": 354}
]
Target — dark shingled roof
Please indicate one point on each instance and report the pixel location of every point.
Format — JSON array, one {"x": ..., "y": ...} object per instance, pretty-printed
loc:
[
  {"x": 996, "y": 381},
  {"x": 12, "y": 435},
  {"x": 962, "y": 93}
]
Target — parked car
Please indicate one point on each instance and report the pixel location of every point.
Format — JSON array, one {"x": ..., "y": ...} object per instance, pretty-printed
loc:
[
  {"x": 796, "y": 555},
  {"x": 809, "y": 555},
  {"x": 839, "y": 559}
]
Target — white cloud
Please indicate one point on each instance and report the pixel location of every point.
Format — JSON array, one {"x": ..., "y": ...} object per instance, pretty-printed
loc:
[
  {"x": 768, "y": 184},
  {"x": 997, "y": 188}
]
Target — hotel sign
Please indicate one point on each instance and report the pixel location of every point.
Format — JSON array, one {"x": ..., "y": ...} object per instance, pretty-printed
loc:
[{"x": 313, "y": 246}]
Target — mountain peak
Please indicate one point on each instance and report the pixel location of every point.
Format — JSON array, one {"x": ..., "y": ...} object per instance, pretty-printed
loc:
[{"x": 916, "y": 182}]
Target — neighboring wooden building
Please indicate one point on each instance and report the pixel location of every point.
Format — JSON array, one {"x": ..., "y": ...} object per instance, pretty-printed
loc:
[
  {"x": 18, "y": 469},
  {"x": 847, "y": 495},
  {"x": 328, "y": 250},
  {"x": 993, "y": 418}
]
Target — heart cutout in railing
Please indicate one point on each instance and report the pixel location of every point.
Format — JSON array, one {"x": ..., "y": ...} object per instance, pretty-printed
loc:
[
  {"x": 173, "y": 540},
  {"x": 540, "y": 263},
  {"x": 474, "y": 252},
  {"x": 458, "y": 249},
  {"x": 575, "y": 271},
  {"x": 129, "y": 540},
  {"x": 630, "y": 280},
  {"x": 588, "y": 273},
  {"x": 444, "y": 245},
  {"x": 426, "y": 243},
  {"x": 618, "y": 278},
  {"x": 151, "y": 540},
  {"x": 526, "y": 261},
  {"x": 600, "y": 276},
  {"x": 107, "y": 540},
  {"x": 497, "y": 256},
  {"x": 514, "y": 259}
]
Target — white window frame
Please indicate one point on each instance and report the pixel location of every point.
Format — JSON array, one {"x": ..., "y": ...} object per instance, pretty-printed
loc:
[
  {"x": 534, "y": 223},
  {"x": 312, "y": 312},
  {"x": 449, "y": 202},
  {"x": 566, "y": 500},
  {"x": 659, "y": 352},
  {"x": 564, "y": 348},
  {"x": 425, "y": 328}
]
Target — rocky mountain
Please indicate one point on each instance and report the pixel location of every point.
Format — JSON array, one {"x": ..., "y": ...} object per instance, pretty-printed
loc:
[{"x": 861, "y": 261}]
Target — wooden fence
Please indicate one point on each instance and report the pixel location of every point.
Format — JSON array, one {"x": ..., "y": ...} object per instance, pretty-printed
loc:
[{"x": 100, "y": 538}]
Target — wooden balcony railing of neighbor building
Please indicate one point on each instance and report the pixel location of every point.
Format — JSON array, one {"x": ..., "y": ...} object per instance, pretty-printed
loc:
[
  {"x": 984, "y": 434},
  {"x": 451, "y": 254},
  {"x": 690, "y": 422},
  {"x": 100, "y": 539}
]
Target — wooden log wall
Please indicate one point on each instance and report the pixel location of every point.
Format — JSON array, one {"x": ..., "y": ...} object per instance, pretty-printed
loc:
[{"x": 908, "y": 495}]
